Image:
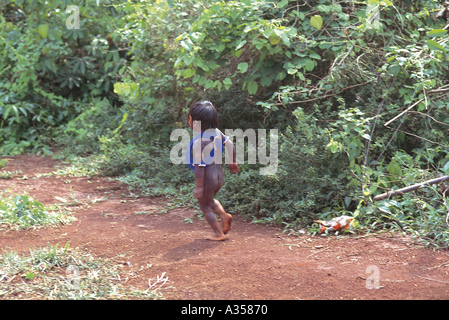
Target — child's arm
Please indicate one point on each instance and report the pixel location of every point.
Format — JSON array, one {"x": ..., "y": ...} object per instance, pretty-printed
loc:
[{"x": 230, "y": 150}]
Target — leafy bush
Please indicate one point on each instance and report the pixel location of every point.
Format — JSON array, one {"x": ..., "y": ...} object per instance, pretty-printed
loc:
[
  {"x": 306, "y": 184},
  {"x": 49, "y": 70},
  {"x": 80, "y": 135},
  {"x": 21, "y": 211},
  {"x": 421, "y": 213},
  {"x": 354, "y": 76}
]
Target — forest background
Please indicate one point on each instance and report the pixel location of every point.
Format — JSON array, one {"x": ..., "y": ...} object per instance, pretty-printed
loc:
[{"x": 358, "y": 91}]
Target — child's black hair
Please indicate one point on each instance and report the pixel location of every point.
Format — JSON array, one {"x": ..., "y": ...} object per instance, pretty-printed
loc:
[{"x": 205, "y": 112}]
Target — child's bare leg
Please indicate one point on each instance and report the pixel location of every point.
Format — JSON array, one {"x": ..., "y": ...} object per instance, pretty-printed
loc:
[
  {"x": 226, "y": 218},
  {"x": 209, "y": 215},
  {"x": 212, "y": 220}
]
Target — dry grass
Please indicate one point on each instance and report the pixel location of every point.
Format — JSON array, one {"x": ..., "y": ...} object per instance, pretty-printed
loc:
[{"x": 63, "y": 273}]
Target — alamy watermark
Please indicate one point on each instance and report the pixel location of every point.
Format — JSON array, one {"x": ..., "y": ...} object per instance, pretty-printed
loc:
[
  {"x": 73, "y": 20},
  {"x": 372, "y": 16},
  {"x": 184, "y": 152},
  {"x": 73, "y": 277},
  {"x": 373, "y": 280}
]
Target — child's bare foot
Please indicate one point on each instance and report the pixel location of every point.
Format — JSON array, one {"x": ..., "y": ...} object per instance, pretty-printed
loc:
[
  {"x": 217, "y": 238},
  {"x": 227, "y": 223}
]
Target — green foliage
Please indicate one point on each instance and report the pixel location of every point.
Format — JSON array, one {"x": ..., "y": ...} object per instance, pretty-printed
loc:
[
  {"x": 80, "y": 135},
  {"x": 370, "y": 78},
  {"x": 232, "y": 43},
  {"x": 49, "y": 71},
  {"x": 152, "y": 96},
  {"x": 22, "y": 211},
  {"x": 288, "y": 197},
  {"x": 421, "y": 214}
]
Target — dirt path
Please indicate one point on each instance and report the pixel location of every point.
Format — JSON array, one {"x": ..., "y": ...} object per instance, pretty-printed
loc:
[{"x": 256, "y": 262}]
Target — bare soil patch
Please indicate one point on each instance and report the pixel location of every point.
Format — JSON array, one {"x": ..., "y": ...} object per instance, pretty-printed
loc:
[{"x": 255, "y": 262}]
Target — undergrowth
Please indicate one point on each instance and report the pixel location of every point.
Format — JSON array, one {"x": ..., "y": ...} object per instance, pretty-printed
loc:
[
  {"x": 292, "y": 203},
  {"x": 369, "y": 78},
  {"x": 22, "y": 212},
  {"x": 55, "y": 273}
]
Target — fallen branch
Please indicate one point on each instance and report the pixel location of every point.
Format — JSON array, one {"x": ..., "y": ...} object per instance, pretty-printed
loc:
[
  {"x": 439, "y": 90},
  {"x": 410, "y": 188},
  {"x": 413, "y": 135},
  {"x": 405, "y": 111},
  {"x": 426, "y": 115},
  {"x": 323, "y": 97}
]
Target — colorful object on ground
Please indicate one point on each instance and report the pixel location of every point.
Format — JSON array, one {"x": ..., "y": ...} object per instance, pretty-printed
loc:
[{"x": 335, "y": 224}]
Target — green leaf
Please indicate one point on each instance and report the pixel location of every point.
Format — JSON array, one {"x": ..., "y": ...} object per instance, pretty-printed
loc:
[
  {"x": 238, "y": 53},
  {"x": 218, "y": 85},
  {"x": 325, "y": 45},
  {"x": 314, "y": 55},
  {"x": 394, "y": 169},
  {"x": 367, "y": 136},
  {"x": 252, "y": 87},
  {"x": 186, "y": 44},
  {"x": 213, "y": 65},
  {"x": 125, "y": 116},
  {"x": 227, "y": 83},
  {"x": 197, "y": 36},
  {"x": 43, "y": 30},
  {"x": 82, "y": 67},
  {"x": 394, "y": 70},
  {"x": 430, "y": 83},
  {"x": 334, "y": 146},
  {"x": 422, "y": 106},
  {"x": 266, "y": 81},
  {"x": 309, "y": 64},
  {"x": 130, "y": 90},
  {"x": 437, "y": 33},
  {"x": 274, "y": 39},
  {"x": 316, "y": 21},
  {"x": 324, "y": 8},
  {"x": 433, "y": 45},
  {"x": 188, "y": 73},
  {"x": 243, "y": 67},
  {"x": 348, "y": 201},
  {"x": 385, "y": 209},
  {"x": 203, "y": 66},
  {"x": 29, "y": 275},
  {"x": 240, "y": 45},
  {"x": 446, "y": 168},
  {"x": 282, "y": 3},
  {"x": 381, "y": 2}
]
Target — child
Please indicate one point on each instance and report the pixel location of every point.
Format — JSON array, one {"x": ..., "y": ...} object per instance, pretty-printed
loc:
[{"x": 208, "y": 174}]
